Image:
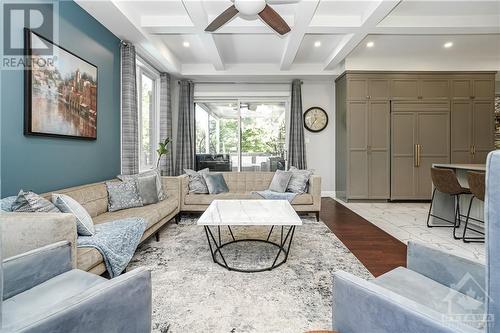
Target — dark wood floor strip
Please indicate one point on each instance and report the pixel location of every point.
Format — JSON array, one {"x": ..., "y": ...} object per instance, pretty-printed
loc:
[{"x": 376, "y": 249}]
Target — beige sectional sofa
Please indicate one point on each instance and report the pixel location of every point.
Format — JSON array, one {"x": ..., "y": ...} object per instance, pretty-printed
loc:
[
  {"x": 55, "y": 227},
  {"x": 242, "y": 184},
  {"x": 34, "y": 230}
]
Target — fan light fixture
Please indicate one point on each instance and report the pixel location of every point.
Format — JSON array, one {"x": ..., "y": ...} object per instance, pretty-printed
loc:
[{"x": 251, "y": 9}]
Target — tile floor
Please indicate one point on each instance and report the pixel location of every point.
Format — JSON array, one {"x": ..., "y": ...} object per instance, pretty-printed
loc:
[{"x": 407, "y": 221}]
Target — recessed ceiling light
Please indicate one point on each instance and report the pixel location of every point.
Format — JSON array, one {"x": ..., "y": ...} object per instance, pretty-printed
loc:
[
  {"x": 317, "y": 43},
  {"x": 185, "y": 44},
  {"x": 448, "y": 45},
  {"x": 370, "y": 44}
]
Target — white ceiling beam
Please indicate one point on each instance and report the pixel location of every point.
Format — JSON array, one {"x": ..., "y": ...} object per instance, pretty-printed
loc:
[
  {"x": 373, "y": 17},
  {"x": 304, "y": 13},
  {"x": 199, "y": 17},
  {"x": 153, "y": 50},
  {"x": 485, "y": 30}
]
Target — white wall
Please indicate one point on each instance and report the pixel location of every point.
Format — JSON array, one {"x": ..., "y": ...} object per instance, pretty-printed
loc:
[{"x": 320, "y": 147}]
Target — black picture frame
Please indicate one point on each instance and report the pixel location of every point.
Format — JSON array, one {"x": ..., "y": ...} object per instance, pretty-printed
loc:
[
  {"x": 28, "y": 90},
  {"x": 305, "y": 115}
]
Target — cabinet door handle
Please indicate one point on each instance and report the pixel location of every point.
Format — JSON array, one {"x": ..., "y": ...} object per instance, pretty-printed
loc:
[
  {"x": 415, "y": 155},
  {"x": 367, "y": 97},
  {"x": 473, "y": 149},
  {"x": 419, "y": 149}
]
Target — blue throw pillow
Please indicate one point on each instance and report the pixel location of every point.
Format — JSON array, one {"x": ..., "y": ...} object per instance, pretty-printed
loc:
[{"x": 215, "y": 182}]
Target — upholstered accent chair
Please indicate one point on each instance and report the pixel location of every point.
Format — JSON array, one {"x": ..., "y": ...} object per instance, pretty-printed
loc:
[
  {"x": 41, "y": 292},
  {"x": 436, "y": 293}
]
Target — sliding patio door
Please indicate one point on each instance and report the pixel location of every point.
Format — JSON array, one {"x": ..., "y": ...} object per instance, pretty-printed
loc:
[{"x": 241, "y": 135}]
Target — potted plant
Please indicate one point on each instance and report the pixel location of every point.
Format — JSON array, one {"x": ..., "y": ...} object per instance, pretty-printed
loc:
[{"x": 162, "y": 150}]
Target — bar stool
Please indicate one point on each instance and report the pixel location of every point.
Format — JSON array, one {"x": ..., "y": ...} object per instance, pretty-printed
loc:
[
  {"x": 445, "y": 181},
  {"x": 477, "y": 187}
]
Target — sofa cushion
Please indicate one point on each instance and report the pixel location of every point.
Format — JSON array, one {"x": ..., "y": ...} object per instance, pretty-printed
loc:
[
  {"x": 166, "y": 207},
  {"x": 299, "y": 180},
  {"x": 93, "y": 197},
  {"x": 153, "y": 172},
  {"x": 197, "y": 183},
  {"x": 122, "y": 195},
  {"x": 67, "y": 204},
  {"x": 149, "y": 213},
  {"x": 37, "y": 302},
  {"x": 147, "y": 189},
  {"x": 303, "y": 199},
  {"x": 280, "y": 181},
  {"x": 215, "y": 182},
  {"x": 87, "y": 258},
  {"x": 206, "y": 199},
  {"x": 241, "y": 182},
  {"x": 30, "y": 202}
]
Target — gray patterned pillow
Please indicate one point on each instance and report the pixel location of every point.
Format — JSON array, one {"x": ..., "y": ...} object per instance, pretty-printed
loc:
[
  {"x": 280, "y": 181},
  {"x": 122, "y": 195},
  {"x": 159, "y": 185},
  {"x": 197, "y": 183},
  {"x": 215, "y": 182},
  {"x": 6, "y": 203},
  {"x": 299, "y": 181},
  {"x": 30, "y": 202},
  {"x": 66, "y": 204}
]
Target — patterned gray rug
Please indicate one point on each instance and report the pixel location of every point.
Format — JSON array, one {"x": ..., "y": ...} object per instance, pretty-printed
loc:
[{"x": 193, "y": 294}]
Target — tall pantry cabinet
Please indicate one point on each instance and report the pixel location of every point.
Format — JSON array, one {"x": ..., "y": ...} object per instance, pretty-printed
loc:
[{"x": 392, "y": 126}]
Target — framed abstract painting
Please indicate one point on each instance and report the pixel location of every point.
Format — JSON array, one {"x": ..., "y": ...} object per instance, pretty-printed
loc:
[{"x": 60, "y": 91}]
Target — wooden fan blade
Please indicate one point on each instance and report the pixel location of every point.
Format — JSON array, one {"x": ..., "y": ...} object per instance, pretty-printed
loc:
[
  {"x": 222, "y": 19},
  {"x": 274, "y": 20}
]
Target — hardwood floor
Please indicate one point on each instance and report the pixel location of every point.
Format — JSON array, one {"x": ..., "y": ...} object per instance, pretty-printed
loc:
[{"x": 376, "y": 249}]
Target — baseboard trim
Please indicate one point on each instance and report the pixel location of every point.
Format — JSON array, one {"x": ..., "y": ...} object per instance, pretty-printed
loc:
[{"x": 328, "y": 194}]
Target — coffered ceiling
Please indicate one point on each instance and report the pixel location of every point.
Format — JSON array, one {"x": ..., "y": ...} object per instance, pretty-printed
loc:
[{"x": 327, "y": 36}]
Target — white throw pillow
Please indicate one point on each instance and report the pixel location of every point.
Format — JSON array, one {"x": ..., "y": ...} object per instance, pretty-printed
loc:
[{"x": 66, "y": 204}]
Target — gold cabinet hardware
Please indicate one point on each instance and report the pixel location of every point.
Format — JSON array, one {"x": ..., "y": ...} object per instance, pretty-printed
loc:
[
  {"x": 415, "y": 155},
  {"x": 367, "y": 97},
  {"x": 473, "y": 149},
  {"x": 419, "y": 153}
]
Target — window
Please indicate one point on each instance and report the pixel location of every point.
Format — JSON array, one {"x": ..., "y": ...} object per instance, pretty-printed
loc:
[
  {"x": 147, "y": 82},
  {"x": 240, "y": 135}
]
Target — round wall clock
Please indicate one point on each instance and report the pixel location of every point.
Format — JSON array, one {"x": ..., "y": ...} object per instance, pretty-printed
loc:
[{"x": 315, "y": 119}]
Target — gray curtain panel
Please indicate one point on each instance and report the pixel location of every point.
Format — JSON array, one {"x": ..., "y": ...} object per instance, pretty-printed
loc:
[
  {"x": 185, "y": 145},
  {"x": 167, "y": 162},
  {"x": 296, "y": 145},
  {"x": 130, "y": 130}
]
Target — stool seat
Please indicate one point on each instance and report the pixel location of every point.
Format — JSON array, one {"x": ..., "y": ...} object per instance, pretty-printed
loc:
[{"x": 446, "y": 182}]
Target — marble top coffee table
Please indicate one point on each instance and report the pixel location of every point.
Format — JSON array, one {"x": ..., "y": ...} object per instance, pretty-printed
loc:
[{"x": 227, "y": 213}]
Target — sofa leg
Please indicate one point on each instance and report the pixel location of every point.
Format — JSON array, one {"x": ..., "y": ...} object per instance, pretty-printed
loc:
[
  {"x": 177, "y": 218},
  {"x": 317, "y": 216},
  {"x": 157, "y": 236}
]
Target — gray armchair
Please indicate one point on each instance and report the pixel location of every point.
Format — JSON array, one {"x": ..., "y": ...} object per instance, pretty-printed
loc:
[
  {"x": 436, "y": 293},
  {"x": 43, "y": 293}
]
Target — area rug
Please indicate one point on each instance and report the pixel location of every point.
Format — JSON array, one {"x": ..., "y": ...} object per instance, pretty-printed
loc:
[{"x": 193, "y": 294}]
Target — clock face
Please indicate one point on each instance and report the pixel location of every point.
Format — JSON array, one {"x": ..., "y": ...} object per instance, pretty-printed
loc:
[{"x": 315, "y": 119}]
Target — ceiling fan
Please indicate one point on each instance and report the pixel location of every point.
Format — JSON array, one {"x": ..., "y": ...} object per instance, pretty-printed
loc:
[{"x": 250, "y": 9}]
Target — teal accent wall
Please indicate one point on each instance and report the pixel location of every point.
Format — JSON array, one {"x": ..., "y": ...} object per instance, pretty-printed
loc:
[{"x": 43, "y": 164}]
